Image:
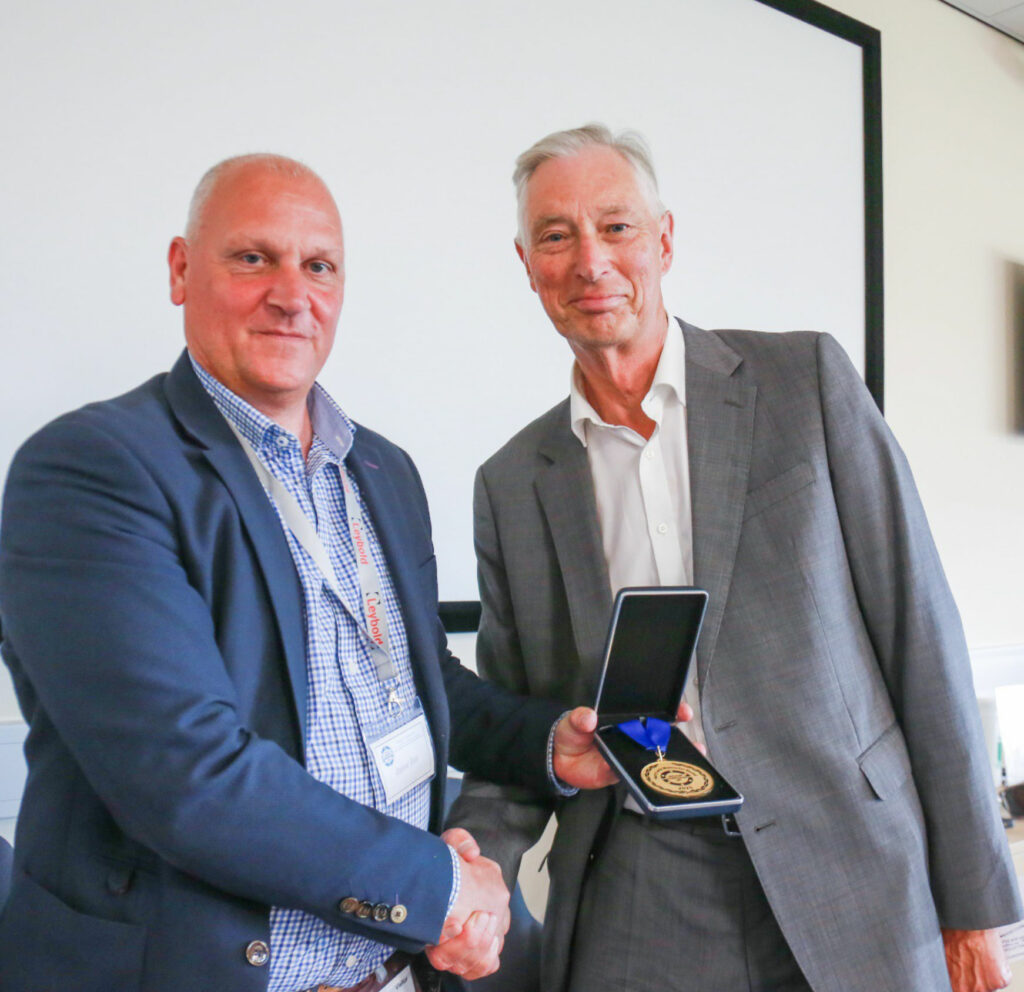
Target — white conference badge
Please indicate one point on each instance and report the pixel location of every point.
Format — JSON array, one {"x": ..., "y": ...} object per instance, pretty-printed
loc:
[
  {"x": 403, "y": 754},
  {"x": 402, "y": 982}
]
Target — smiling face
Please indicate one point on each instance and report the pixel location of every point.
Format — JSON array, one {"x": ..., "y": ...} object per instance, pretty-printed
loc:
[
  {"x": 261, "y": 281},
  {"x": 595, "y": 251}
]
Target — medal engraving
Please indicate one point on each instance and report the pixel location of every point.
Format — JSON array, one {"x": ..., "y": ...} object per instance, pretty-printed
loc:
[{"x": 677, "y": 778}]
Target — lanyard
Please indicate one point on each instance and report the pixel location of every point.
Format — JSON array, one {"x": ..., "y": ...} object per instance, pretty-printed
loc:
[{"x": 375, "y": 622}]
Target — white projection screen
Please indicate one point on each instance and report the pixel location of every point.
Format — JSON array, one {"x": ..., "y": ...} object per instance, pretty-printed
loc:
[{"x": 414, "y": 114}]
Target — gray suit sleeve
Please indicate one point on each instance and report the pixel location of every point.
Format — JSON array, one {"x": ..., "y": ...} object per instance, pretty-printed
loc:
[
  {"x": 918, "y": 639},
  {"x": 505, "y": 820}
]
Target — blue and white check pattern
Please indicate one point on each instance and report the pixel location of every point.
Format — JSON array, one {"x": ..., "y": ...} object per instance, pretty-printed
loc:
[{"x": 345, "y": 696}]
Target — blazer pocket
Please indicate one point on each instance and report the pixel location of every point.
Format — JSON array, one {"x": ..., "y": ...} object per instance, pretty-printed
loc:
[
  {"x": 777, "y": 489},
  {"x": 44, "y": 944},
  {"x": 886, "y": 764}
]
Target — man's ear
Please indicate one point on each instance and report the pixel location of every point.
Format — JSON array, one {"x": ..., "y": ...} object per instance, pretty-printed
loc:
[
  {"x": 177, "y": 262},
  {"x": 521, "y": 252},
  {"x": 666, "y": 227}
]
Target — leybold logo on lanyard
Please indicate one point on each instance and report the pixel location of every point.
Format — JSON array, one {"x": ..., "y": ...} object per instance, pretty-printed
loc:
[
  {"x": 369, "y": 578},
  {"x": 374, "y": 621}
]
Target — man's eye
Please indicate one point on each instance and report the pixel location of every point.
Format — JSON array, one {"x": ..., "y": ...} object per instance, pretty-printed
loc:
[
  {"x": 552, "y": 236},
  {"x": 320, "y": 268},
  {"x": 618, "y": 228},
  {"x": 251, "y": 258}
]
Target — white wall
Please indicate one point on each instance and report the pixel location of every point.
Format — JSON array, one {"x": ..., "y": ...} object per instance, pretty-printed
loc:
[
  {"x": 953, "y": 125},
  {"x": 93, "y": 92},
  {"x": 414, "y": 114}
]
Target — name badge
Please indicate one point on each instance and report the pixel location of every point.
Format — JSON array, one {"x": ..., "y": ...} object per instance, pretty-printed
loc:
[
  {"x": 404, "y": 756},
  {"x": 402, "y": 982}
]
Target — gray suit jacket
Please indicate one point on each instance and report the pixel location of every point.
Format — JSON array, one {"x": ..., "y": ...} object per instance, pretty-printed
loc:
[{"x": 835, "y": 682}]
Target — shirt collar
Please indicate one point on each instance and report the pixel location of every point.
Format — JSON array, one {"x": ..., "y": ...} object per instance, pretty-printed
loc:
[
  {"x": 669, "y": 381},
  {"x": 330, "y": 423}
]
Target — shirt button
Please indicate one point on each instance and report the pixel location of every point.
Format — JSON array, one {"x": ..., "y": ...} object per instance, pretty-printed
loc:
[
  {"x": 648, "y": 455},
  {"x": 662, "y": 528},
  {"x": 282, "y": 441}
]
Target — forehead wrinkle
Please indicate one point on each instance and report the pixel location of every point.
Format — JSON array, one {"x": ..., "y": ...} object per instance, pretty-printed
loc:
[
  {"x": 550, "y": 219},
  {"x": 601, "y": 211},
  {"x": 241, "y": 240}
]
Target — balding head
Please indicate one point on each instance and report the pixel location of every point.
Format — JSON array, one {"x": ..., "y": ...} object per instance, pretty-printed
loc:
[
  {"x": 263, "y": 161},
  {"x": 281, "y": 165}
]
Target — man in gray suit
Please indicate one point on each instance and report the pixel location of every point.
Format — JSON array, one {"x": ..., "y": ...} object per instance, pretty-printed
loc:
[{"x": 832, "y": 684}]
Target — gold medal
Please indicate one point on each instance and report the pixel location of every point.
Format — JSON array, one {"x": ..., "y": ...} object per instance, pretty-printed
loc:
[{"x": 677, "y": 778}]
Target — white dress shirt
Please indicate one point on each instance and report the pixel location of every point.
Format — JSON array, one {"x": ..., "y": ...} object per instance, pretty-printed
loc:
[{"x": 642, "y": 488}]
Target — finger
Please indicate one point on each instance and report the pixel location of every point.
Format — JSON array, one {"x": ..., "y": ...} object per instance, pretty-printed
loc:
[
  {"x": 487, "y": 964},
  {"x": 685, "y": 712},
  {"x": 475, "y": 952},
  {"x": 493, "y": 927},
  {"x": 438, "y": 958},
  {"x": 451, "y": 929},
  {"x": 464, "y": 951},
  {"x": 464, "y": 843},
  {"x": 483, "y": 927},
  {"x": 583, "y": 720}
]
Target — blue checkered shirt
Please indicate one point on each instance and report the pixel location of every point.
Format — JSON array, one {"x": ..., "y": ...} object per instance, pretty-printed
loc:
[{"x": 345, "y": 696}]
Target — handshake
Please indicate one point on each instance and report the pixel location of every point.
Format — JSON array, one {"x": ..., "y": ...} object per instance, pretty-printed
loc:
[{"x": 474, "y": 932}]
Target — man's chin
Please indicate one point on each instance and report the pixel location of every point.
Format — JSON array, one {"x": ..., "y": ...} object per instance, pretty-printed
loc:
[{"x": 598, "y": 330}]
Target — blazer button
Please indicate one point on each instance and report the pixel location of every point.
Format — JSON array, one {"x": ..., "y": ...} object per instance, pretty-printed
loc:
[
  {"x": 349, "y": 905},
  {"x": 365, "y": 910},
  {"x": 381, "y": 912},
  {"x": 257, "y": 953},
  {"x": 399, "y": 913}
]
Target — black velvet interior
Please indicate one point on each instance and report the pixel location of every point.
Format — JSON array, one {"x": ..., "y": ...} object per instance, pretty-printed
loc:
[
  {"x": 632, "y": 757},
  {"x": 651, "y": 640}
]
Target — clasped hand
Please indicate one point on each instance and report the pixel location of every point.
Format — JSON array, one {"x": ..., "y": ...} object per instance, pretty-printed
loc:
[{"x": 474, "y": 932}]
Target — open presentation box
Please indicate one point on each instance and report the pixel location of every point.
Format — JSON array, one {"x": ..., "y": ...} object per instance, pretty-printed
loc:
[{"x": 651, "y": 642}]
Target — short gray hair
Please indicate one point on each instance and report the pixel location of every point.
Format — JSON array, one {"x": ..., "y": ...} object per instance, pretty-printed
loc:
[
  {"x": 280, "y": 164},
  {"x": 564, "y": 144}
]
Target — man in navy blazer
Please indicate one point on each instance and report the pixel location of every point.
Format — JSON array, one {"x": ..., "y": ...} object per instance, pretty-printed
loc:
[{"x": 155, "y": 625}]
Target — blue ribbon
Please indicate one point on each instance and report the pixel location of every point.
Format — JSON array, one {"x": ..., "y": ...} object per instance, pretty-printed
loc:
[{"x": 649, "y": 732}]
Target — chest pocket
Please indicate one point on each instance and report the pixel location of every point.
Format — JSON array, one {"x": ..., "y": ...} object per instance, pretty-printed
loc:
[{"x": 777, "y": 489}]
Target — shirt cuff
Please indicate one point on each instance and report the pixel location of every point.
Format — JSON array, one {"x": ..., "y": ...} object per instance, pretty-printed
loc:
[
  {"x": 456, "y": 878},
  {"x": 557, "y": 784}
]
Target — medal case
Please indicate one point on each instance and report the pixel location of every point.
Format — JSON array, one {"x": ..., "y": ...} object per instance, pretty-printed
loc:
[{"x": 651, "y": 641}]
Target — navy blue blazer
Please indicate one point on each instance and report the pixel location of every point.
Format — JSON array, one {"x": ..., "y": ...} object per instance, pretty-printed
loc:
[{"x": 152, "y": 622}]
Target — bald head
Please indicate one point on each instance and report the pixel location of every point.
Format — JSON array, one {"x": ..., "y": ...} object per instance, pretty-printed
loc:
[{"x": 228, "y": 169}]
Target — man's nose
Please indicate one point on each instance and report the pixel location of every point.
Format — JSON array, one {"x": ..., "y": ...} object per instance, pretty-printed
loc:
[
  {"x": 591, "y": 257},
  {"x": 288, "y": 290}
]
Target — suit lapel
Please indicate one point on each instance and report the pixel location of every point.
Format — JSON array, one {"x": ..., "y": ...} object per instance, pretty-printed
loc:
[
  {"x": 720, "y": 425},
  {"x": 203, "y": 422},
  {"x": 566, "y": 494}
]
